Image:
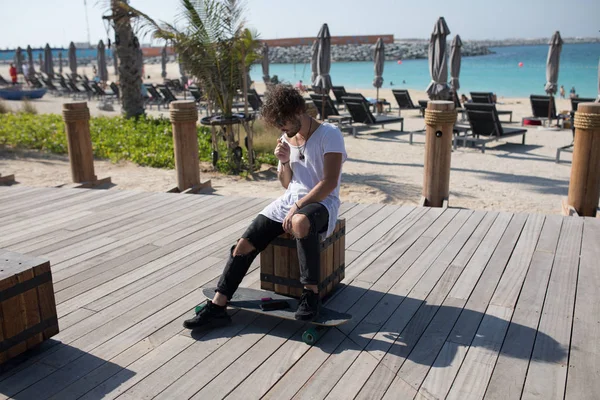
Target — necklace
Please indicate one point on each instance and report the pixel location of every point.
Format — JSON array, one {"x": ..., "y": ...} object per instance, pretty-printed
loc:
[{"x": 304, "y": 145}]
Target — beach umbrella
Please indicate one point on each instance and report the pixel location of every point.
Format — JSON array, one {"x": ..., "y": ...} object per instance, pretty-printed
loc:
[
  {"x": 323, "y": 80},
  {"x": 60, "y": 62},
  {"x": 314, "y": 51},
  {"x": 379, "y": 58},
  {"x": 552, "y": 64},
  {"x": 265, "y": 64},
  {"x": 598, "y": 99},
  {"x": 102, "y": 68},
  {"x": 48, "y": 62},
  {"x": 73, "y": 60},
  {"x": 163, "y": 62},
  {"x": 455, "y": 64},
  {"x": 438, "y": 66},
  {"x": 19, "y": 60},
  {"x": 31, "y": 69}
]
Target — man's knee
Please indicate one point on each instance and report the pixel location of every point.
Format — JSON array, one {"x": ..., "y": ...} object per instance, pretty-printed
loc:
[
  {"x": 243, "y": 247},
  {"x": 300, "y": 226}
]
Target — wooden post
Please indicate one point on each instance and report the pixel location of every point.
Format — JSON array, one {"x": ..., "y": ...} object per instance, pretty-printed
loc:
[
  {"x": 584, "y": 187},
  {"x": 81, "y": 156},
  {"x": 184, "y": 116},
  {"x": 440, "y": 117}
]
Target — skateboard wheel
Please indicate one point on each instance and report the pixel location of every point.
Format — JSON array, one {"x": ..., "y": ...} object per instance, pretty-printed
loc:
[
  {"x": 311, "y": 335},
  {"x": 199, "y": 307}
]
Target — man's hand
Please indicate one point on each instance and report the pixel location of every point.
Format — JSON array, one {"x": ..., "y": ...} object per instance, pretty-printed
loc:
[
  {"x": 287, "y": 222},
  {"x": 282, "y": 151}
]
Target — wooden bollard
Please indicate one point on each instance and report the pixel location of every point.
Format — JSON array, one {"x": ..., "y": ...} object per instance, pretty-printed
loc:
[
  {"x": 584, "y": 187},
  {"x": 81, "y": 156},
  {"x": 440, "y": 117},
  {"x": 184, "y": 116}
]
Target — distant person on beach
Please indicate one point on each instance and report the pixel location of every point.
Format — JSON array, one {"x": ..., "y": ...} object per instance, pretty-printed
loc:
[
  {"x": 391, "y": 83},
  {"x": 562, "y": 92},
  {"x": 573, "y": 93},
  {"x": 301, "y": 86},
  {"x": 403, "y": 82},
  {"x": 464, "y": 99},
  {"x": 12, "y": 71}
]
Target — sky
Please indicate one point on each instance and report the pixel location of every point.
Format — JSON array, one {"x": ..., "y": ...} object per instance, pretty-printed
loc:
[{"x": 59, "y": 22}]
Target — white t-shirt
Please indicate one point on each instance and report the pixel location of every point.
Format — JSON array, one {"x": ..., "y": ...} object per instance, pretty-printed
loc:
[{"x": 310, "y": 171}]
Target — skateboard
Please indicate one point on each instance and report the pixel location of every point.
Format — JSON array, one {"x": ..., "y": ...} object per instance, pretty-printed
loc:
[{"x": 252, "y": 299}]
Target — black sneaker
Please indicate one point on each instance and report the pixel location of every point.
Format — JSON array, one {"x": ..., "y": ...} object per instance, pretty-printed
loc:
[
  {"x": 308, "y": 306},
  {"x": 210, "y": 315}
]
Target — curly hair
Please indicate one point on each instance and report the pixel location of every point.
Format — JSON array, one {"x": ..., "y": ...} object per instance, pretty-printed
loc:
[{"x": 282, "y": 103}]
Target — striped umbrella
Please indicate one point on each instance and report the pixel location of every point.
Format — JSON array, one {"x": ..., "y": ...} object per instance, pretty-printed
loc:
[
  {"x": 438, "y": 65},
  {"x": 552, "y": 63},
  {"x": 379, "y": 57}
]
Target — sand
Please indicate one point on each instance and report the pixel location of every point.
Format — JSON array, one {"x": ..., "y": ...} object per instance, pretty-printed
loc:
[{"x": 382, "y": 167}]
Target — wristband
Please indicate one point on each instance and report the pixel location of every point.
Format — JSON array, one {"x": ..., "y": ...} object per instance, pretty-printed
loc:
[{"x": 283, "y": 164}]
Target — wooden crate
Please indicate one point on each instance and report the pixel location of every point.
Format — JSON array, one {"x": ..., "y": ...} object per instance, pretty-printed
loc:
[
  {"x": 27, "y": 306},
  {"x": 280, "y": 270}
]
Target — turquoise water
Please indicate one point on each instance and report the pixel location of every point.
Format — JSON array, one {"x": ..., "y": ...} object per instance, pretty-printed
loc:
[
  {"x": 81, "y": 53},
  {"x": 498, "y": 72}
]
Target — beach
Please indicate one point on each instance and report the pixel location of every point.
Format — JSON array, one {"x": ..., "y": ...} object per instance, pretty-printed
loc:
[{"x": 382, "y": 167}]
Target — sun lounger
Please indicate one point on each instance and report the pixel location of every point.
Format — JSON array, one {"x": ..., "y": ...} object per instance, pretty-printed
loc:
[
  {"x": 404, "y": 101},
  {"x": 255, "y": 101},
  {"x": 359, "y": 110},
  {"x": 115, "y": 89},
  {"x": 155, "y": 98},
  {"x": 369, "y": 101},
  {"x": 338, "y": 93},
  {"x": 103, "y": 94},
  {"x": 574, "y": 104},
  {"x": 166, "y": 93},
  {"x": 329, "y": 106},
  {"x": 486, "y": 126},
  {"x": 487, "y": 98}
]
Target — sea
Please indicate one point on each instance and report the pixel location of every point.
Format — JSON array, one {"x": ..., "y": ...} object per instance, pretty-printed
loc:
[{"x": 499, "y": 72}]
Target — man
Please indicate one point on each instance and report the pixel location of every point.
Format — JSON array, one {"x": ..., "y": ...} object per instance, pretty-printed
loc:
[
  {"x": 12, "y": 71},
  {"x": 310, "y": 156}
]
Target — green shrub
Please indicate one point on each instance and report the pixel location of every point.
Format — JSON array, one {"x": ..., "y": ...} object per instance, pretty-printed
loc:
[
  {"x": 146, "y": 142},
  {"x": 27, "y": 107},
  {"x": 4, "y": 108}
]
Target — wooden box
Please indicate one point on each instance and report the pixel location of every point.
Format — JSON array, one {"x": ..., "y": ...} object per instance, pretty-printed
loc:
[
  {"x": 280, "y": 270},
  {"x": 27, "y": 306}
]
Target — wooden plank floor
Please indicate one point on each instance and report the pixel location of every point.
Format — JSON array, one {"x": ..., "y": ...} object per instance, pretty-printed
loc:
[{"x": 455, "y": 304}]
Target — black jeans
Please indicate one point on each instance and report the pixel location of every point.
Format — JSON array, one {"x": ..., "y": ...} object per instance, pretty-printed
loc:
[{"x": 263, "y": 231}]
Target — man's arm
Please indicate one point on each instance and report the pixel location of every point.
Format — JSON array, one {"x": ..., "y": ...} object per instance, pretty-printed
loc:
[
  {"x": 285, "y": 174},
  {"x": 332, "y": 168}
]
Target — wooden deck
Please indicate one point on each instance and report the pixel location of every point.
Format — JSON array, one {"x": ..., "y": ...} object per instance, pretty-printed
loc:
[{"x": 455, "y": 304}]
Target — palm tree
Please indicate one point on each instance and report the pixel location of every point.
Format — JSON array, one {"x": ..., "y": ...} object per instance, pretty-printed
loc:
[
  {"x": 216, "y": 49},
  {"x": 127, "y": 48}
]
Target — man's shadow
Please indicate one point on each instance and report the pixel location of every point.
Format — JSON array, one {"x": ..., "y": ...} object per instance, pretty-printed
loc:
[{"x": 414, "y": 330}]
